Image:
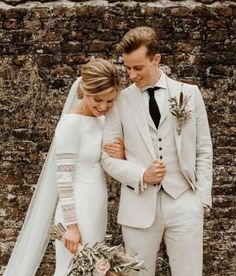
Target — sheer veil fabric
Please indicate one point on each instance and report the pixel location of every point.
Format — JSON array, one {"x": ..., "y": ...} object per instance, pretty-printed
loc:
[{"x": 33, "y": 238}]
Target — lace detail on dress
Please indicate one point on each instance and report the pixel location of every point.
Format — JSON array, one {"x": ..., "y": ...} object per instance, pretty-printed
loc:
[
  {"x": 69, "y": 213},
  {"x": 65, "y": 190},
  {"x": 65, "y": 168},
  {"x": 66, "y": 156},
  {"x": 65, "y": 176}
]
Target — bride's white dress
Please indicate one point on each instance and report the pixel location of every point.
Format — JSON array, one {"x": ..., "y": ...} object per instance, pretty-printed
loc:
[{"x": 81, "y": 181}]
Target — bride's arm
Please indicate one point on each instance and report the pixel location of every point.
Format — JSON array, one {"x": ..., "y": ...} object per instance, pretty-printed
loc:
[{"x": 67, "y": 141}]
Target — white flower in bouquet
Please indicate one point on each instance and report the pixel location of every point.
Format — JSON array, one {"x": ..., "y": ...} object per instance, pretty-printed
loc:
[{"x": 102, "y": 267}]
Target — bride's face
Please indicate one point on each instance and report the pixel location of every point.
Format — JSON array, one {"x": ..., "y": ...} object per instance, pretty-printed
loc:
[{"x": 99, "y": 104}]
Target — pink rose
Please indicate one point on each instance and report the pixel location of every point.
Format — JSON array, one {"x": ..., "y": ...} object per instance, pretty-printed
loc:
[{"x": 102, "y": 267}]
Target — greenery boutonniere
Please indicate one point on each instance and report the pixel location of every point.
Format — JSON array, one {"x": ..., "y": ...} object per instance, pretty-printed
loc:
[{"x": 179, "y": 109}]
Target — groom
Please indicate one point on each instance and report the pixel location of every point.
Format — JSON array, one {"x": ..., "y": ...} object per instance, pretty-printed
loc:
[{"x": 167, "y": 175}]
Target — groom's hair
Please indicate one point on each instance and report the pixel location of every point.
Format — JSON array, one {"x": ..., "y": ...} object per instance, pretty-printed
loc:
[{"x": 137, "y": 37}]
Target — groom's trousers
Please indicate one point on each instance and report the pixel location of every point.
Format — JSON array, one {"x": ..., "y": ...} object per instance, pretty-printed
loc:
[{"x": 180, "y": 223}]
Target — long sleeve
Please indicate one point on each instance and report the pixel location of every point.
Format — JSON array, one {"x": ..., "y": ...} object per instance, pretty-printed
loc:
[
  {"x": 67, "y": 143},
  {"x": 126, "y": 172},
  {"x": 203, "y": 152}
]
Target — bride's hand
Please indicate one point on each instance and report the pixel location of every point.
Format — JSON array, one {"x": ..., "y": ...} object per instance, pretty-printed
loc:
[
  {"x": 72, "y": 238},
  {"x": 115, "y": 149}
]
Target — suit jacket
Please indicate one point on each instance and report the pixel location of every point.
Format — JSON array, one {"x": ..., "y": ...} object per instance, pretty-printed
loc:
[{"x": 127, "y": 120}]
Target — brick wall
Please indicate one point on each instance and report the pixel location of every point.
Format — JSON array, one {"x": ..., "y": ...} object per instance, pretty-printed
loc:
[{"x": 41, "y": 50}]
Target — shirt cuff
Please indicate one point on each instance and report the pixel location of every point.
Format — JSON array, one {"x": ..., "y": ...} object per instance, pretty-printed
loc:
[{"x": 142, "y": 185}]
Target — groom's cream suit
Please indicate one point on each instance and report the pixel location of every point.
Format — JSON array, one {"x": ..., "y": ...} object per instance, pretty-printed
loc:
[{"x": 147, "y": 215}]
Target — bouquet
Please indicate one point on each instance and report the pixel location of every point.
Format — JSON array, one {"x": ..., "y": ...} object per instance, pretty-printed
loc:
[{"x": 99, "y": 260}]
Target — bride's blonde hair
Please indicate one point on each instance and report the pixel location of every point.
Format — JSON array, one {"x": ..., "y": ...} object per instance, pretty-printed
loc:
[{"x": 97, "y": 76}]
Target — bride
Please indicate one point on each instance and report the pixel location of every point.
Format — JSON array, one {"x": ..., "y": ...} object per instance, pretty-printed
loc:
[{"x": 72, "y": 170}]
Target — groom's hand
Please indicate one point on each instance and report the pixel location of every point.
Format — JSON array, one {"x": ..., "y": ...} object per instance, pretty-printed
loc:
[
  {"x": 155, "y": 173},
  {"x": 115, "y": 149}
]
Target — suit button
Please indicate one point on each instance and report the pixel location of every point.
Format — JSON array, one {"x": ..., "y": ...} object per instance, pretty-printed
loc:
[
  {"x": 160, "y": 148},
  {"x": 159, "y": 139},
  {"x": 161, "y": 157}
]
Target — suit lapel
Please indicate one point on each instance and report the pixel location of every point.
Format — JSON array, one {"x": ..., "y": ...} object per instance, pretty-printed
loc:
[
  {"x": 136, "y": 104},
  {"x": 173, "y": 88},
  {"x": 165, "y": 109}
]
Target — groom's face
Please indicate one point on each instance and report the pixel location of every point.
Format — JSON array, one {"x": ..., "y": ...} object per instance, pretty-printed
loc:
[{"x": 143, "y": 70}]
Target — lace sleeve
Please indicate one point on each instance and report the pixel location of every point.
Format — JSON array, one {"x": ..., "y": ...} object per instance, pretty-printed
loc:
[
  {"x": 67, "y": 141},
  {"x": 65, "y": 173}
]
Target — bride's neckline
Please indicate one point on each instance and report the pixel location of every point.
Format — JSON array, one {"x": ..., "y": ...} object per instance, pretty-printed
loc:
[{"x": 82, "y": 115}]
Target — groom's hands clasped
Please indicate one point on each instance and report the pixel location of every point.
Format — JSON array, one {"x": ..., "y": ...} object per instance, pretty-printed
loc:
[{"x": 155, "y": 173}]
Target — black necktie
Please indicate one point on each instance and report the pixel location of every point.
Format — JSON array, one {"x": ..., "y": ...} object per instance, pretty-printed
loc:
[{"x": 153, "y": 107}]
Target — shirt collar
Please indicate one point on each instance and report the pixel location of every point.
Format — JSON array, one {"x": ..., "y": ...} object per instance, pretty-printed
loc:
[{"x": 160, "y": 83}]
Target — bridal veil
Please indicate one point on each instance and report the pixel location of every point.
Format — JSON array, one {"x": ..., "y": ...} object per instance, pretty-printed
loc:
[{"x": 33, "y": 238}]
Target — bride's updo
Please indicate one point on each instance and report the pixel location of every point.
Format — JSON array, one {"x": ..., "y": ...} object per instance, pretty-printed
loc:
[{"x": 97, "y": 76}]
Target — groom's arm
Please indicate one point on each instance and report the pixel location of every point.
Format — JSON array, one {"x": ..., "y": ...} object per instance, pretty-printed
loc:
[
  {"x": 124, "y": 171},
  {"x": 204, "y": 153}
]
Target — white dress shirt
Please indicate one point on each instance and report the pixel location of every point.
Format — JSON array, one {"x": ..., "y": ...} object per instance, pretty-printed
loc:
[{"x": 159, "y": 94}]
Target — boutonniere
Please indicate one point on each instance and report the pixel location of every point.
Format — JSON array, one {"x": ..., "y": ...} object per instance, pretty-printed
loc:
[{"x": 179, "y": 109}]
